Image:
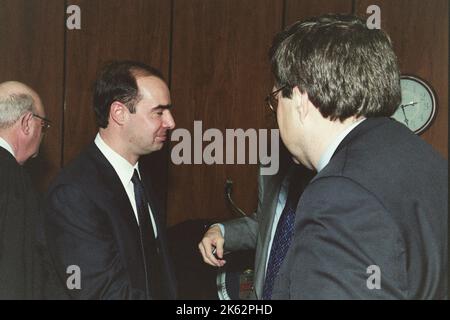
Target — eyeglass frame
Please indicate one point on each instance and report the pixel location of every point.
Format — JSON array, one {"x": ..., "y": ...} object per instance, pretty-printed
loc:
[
  {"x": 271, "y": 96},
  {"x": 46, "y": 123}
]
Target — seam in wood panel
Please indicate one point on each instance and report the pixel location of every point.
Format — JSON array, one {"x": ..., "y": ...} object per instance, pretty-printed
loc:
[
  {"x": 64, "y": 78},
  {"x": 169, "y": 80}
]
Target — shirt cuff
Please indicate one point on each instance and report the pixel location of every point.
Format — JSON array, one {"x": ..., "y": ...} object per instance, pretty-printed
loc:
[{"x": 222, "y": 228}]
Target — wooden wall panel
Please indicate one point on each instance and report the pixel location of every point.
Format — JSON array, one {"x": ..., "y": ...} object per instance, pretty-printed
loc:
[
  {"x": 220, "y": 76},
  {"x": 220, "y": 73},
  {"x": 419, "y": 30},
  {"x": 32, "y": 51},
  {"x": 112, "y": 30},
  {"x": 302, "y": 9}
]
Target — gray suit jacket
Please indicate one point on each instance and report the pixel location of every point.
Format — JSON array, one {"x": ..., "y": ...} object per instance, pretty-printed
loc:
[
  {"x": 382, "y": 201},
  {"x": 254, "y": 232}
]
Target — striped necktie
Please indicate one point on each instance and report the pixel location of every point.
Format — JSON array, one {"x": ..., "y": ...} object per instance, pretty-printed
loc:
[{"x": 282, "y": 238}]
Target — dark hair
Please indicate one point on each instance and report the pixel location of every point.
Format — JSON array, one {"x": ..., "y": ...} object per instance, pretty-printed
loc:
[
  {"x": 117, "y": 82},
  {"x": 346, "y": 68}
]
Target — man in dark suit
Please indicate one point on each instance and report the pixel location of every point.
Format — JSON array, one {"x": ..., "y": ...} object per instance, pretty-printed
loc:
[
  {"x": 372, "y": 224},
  {"x": 103, "y": 226},
  {"x": 256, "y": 232},
  {"x": 22, "y": 124}
]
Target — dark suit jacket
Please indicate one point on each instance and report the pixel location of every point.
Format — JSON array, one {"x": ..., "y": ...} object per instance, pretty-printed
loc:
[
  {"x": 382, "y": 200},
  {"x": 89, "y": 222},
  {"x": 20, "y": 264}
]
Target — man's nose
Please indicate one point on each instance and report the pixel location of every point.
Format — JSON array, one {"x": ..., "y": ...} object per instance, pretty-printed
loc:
[{"x": 169, "y": 122}]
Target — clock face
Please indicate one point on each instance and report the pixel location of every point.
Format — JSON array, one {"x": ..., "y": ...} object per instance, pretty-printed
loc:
[{"x": 418, "y": 107}]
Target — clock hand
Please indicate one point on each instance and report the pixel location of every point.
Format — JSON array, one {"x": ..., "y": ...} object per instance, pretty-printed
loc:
[
  {"x": 412, "y": 103},
  {"x": 404, "y": 114}
]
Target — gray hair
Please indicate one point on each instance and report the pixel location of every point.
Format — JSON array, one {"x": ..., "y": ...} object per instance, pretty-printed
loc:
[{"x": 12, "y": 107}]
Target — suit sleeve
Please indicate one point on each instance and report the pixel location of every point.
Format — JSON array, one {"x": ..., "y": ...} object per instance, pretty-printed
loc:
[
  {"x": 344, "y": 242},
  {"x": 240, "y": 234},
  {"x": 77, "y": 234}
]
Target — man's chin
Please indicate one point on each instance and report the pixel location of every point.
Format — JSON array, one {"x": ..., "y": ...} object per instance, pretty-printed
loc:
[
  {"x": 159, "y": 145},
  {"x": 155, "y": 147}
]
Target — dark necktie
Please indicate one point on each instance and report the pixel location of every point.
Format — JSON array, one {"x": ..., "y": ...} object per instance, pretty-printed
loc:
[
  {"x": 148, "y": 241},
  {"x": 282, "y": 239}
]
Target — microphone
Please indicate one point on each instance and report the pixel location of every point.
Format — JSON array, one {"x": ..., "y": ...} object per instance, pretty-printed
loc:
[{"x": 228, "y": 190}]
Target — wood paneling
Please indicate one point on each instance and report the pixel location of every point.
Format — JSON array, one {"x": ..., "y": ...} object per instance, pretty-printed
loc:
[
  {"x": 302, "y": 9},
  {"x": 32, "y": 51},
  {"x": 419, "y": 31},
  {"x": 220, "y": 76},
  {"x": 220, "y": 73},
  {"x": 112, "y": 30}
]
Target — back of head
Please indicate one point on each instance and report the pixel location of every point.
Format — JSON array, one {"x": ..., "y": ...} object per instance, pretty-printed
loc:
[
  {"x": 12, "y": 107},
  {"x": 346, "y": 68},
  {"x": 20, "y": 106},
  {"x": 15, "y": 100},
  {"x": 117, "y": 82}
]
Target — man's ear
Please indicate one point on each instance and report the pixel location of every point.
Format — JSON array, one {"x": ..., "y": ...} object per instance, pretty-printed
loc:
[
  {"x": 25, "y": 123},
  {"x": 301, "y": 102},
  {"x": 118, "y": 112}
]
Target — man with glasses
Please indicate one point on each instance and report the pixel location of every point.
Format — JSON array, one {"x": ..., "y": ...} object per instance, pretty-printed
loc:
[
  {"x": 22, "y": 124},
  {"x": 45, "y": 123},
  {"x": 372, "y": 224}
]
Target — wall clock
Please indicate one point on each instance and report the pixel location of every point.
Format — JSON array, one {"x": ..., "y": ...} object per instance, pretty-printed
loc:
[{"x": 418, "y": 107}]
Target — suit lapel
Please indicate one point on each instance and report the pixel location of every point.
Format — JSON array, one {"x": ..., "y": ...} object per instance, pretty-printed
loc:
[
  {"x": 118, "y": 204},
  {"x": 271, "y": 187},
  {"x": 114, "y": 193}
]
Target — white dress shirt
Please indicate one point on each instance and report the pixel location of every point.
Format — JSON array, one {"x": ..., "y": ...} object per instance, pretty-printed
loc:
[
  {"x": 125, "y": 171},
  {"x": 7, "y": 146}
]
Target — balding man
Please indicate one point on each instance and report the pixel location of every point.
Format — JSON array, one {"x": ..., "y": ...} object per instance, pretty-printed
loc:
[
  {"x": 102, "y": 217},
  {"x": 22, "y": 124}
]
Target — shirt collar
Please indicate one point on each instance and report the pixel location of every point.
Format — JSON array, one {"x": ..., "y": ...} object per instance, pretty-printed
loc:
[
  {"x": 123, "y": 168},
  {"x": 5, "y": 145},
  {"x": 326, "y": 156}
]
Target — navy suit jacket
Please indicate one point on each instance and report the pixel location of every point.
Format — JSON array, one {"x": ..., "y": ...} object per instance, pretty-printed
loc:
[
  {"x": 89, "y": 223},
  {"x": 379, "y": 209}
]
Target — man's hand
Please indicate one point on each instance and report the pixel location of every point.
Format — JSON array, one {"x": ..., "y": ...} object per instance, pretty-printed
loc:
[{"x": 211, "y": 247}]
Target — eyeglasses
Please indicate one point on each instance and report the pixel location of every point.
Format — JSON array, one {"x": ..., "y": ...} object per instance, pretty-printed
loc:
[
  {"x": 272, "y": 100},
  {"x": 45, "y": 123}
]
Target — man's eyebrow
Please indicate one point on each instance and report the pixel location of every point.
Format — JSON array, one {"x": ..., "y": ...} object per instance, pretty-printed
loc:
[{"x": 162, "y": 107}]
